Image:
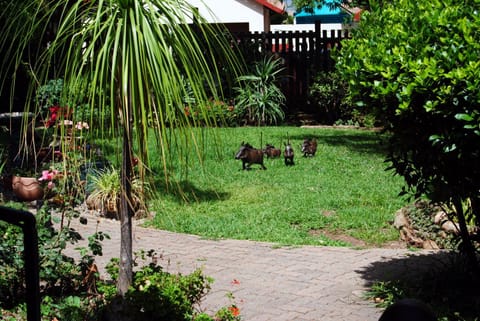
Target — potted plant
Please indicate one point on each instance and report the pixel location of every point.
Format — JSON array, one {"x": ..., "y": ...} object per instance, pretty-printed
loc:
[{"x": 105, "y": 192}]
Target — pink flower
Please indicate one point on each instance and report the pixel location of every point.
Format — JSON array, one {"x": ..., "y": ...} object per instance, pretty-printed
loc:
[
  {"x": 51, "y": 185},
  {"x": 81, "y": 125},
  {"x": 48, "y": 175}
]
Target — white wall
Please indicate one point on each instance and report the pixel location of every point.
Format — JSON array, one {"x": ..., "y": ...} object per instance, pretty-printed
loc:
[
  {"x": 231, "y": 11},
  {"x": 307, "y": 27}
]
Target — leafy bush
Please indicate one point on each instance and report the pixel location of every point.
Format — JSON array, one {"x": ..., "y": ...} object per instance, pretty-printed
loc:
[
  {"x": 159, "y": 295},
  {"x": 49, "y": 94},
  {"x": 62, "y": 280},
  {"x": 421, "y": 78},
  {"x": 217, "y": 112},
  {"x": 329, "y": 94}
]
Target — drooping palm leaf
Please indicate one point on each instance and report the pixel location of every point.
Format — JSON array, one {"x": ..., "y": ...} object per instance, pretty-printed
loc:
[{"x": 126, "y": 58}]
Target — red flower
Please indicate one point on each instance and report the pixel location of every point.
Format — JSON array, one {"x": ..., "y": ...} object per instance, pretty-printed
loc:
[
  {"x": 55, "y": 113},
  {"x": 234, "y": 310},
  {"x": 54, "y": 109}
]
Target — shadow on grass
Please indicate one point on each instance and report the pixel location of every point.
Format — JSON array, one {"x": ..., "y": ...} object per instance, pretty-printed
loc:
[
  {"x": 360, "y": 142},
  {"x": 441, "y": 279},
  {"x": 187, "y": 192}
]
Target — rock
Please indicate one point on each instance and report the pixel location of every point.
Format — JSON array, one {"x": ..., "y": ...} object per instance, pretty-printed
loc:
[
  {"x": 440, "y": 217},
  {"x": 443, "y": 234},
  {"x": 451, "y": 227},
  {"x": 400, "y": 219},
  {"x": 430, "y": 245},
  {"x": 408, "y": 235},
  {"x": 93, "y": 204}
]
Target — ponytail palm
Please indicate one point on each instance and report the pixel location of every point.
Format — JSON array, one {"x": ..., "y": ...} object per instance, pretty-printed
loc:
[{"x": 129, "y": 58}]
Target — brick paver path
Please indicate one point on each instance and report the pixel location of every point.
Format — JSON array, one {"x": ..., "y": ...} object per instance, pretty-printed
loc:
[{"x": 272, "y": 283}]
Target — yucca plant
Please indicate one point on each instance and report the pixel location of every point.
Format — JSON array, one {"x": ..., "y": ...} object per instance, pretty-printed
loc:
[
  {"x": 125, "y": 58},
  {"x": 259, "y": 98}
]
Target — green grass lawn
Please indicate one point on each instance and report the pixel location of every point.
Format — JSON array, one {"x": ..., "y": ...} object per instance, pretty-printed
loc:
[{"x": 344, "y": 189}]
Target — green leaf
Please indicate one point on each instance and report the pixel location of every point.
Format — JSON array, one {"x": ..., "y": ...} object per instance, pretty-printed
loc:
[{"x": 464, "y": 117}]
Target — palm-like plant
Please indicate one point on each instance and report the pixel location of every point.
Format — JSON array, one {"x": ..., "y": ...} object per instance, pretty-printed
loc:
[
  {"x": 259, "y": 98},
  {"x": 127, "y": 57}
]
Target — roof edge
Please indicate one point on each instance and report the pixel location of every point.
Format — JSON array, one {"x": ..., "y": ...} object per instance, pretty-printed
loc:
[{"x": 272, "y": 6}]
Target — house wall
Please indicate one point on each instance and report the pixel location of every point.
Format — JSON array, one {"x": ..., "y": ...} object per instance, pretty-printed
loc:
[
  {"x": 307, "y": 27},
  {"x": 232, "y": 11}
]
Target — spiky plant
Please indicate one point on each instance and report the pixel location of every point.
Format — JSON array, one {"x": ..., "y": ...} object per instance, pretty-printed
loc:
[{"x": 126, "y": 59}]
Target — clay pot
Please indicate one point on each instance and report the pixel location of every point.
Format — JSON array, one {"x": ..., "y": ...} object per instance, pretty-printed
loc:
[{"x": 27, "y": 188}]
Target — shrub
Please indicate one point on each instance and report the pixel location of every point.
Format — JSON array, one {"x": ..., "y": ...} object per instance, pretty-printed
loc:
[
  {"x": 158, "y": 295},
  {"x": 421, "y": 78},
  {"x": 328, "y": 94},
  {"x": 105, "y": 193},
  {"x": 62, "y": 280},
  {"x": 49, "y": 94}
]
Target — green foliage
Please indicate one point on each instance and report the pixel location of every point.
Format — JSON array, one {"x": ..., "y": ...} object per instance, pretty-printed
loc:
[
  {"x": 158, "y": 295},
  {"x": 259, "y": 100},
  {"x": 72, "y": 291},
  {"x": 421, "y": 78},
  {"x": 421, "y": 217},
  {"x": 217, "y": 112},
  {"x": 385, "y": 293},
  {"x": 11, "y": 280},
  {"x": 228, "y": 314},
  {"x": 106, "y": 191},
  {"x": 96, "y": 48},
  {"x": 62, "y": 279},
  {"x": 310, "y": 5},
  {"x": 49, "y": 94},
  {"x": 329, "y": 93},
  {"x": 57, "y": 272}
]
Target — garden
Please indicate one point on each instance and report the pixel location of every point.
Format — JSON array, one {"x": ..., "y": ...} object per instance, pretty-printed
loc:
[{"x": 152, "y": 127}]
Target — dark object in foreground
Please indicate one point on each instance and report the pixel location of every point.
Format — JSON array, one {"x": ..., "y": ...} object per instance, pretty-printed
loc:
[
  {"x": 408, "y": 309},
  {"x": 309, "y": 147},
  {"x": 288, "y": 154},
  {"x": 27, "y": 222},
  {"x": 249, "y": 156}
]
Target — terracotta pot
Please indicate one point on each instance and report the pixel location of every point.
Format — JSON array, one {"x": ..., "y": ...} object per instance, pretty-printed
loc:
[{"x": 27, "y": 188}]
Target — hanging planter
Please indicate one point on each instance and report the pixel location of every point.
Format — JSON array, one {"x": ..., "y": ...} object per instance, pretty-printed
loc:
[{"x": 27, "y": 188}]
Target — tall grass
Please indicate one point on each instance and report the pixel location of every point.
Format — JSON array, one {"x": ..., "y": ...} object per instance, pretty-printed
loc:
[{"x": 344, "y": 189}]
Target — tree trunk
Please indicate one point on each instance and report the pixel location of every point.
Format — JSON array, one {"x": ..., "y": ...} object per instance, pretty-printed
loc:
[
  {"x": 125, "y": 208},
  {"x": 467, "y": 247}
]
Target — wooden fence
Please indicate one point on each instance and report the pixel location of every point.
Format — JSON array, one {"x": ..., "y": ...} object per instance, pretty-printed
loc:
[{"x": 305, "y": 53}]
